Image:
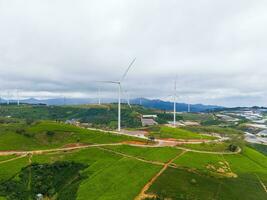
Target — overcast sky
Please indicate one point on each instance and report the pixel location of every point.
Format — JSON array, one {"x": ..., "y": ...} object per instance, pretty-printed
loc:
[{"x": 217, "y": 49}]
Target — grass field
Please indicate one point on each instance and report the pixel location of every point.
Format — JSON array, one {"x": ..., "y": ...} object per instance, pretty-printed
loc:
[
  {"x": 5, "y": 158},
  {"x": 178, "y": 133},
  {"x": 213, "y": 147},
  {"x": 180, "y": 184},
  {"x": 120, "y": 172},
  {"x": 207, "y": 176},
  {"x": 48, "y": 134},
  {"x": 260, "y": 147},
  {"x": 110, "y": 176},
  {"x": 9, "y": 169}
]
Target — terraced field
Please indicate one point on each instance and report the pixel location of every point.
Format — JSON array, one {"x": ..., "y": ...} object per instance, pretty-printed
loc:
[{"x": 104, "y": 167}]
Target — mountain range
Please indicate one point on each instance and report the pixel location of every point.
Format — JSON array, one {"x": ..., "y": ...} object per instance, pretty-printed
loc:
[{"x": 148, "y": 103}]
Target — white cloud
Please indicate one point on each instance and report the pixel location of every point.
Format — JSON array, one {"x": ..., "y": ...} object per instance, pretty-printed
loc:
[{"x": 217, "y": 48}]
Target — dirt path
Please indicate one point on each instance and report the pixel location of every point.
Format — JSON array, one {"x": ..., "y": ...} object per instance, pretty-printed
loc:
[
  {"x": 210, "y": 152},
  {"x": 9, "y": 160},
  {"x": 6, "y": 153},
  {"x": 262, "y": 184},
  {"x": 142, "y": 194},
  {"x": 134, "y": 157}
]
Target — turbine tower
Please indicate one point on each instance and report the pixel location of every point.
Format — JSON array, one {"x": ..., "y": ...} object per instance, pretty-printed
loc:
[
  {"x": 99, "y": 98},
  {"x": 174, "y": 103},
  {"x": 188, "y": 108},
  {"x": 18, "y": 100},
  {"x": 119, "y": 84},
  {"x": 7, "y": 100}
]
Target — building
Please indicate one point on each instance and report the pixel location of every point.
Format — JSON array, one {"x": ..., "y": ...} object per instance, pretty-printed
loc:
[
  {"x": 72, "y": 122},
  {"x": 149, "y": 120},
  {"x": 262, "y": 133}
]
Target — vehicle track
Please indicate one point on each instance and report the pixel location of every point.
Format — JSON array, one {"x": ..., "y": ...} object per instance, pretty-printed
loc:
[
  {"x": 142, "y": 194},
  {"x": 9, "y": 160}
]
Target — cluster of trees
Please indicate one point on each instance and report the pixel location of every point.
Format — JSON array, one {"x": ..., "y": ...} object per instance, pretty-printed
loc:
[
  {"x": 232, "y": 147},
  {"x": 45, "y": 179},
  {"x": 22, "y": 131},
  {"x": 99, "y": 117}
]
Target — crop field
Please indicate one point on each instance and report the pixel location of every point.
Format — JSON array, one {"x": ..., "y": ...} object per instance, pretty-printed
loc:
[
  {"x": 182, "y": 184},
  {"x": 9, "y": 169},
  {"x": 211, "y": 176},
  {"x": 260, "y": 147},
  {"x": 123, "y": 167},
  {"x": 108, "y": 175}
]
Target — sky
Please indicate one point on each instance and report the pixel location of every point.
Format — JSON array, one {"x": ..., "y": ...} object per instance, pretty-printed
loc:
[{"x": 215, "y": 50}]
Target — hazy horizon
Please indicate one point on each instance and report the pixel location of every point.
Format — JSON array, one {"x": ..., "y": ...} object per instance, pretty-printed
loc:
[{"x": 50, "y": 49}]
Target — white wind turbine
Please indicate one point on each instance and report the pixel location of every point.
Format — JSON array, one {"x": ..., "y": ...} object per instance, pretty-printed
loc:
[
  {"x": 18, "y": 99},
  {"x": 174, "y": 96},
  {"x": 119, "y": 83},
  {"x": 174, "y": 102},
  {"x": 99, "y": 97}
]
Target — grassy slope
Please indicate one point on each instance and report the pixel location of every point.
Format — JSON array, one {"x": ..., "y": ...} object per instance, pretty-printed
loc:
[
  {"x": 4, "y": 158},
  {"x": 9, "y": 169},
  {"x": 178, "y": 133},
  {"x": 260, "y": 147},
  {"x": 215, "y": 147},
  {"x": 198, "y": 161},
  {"x": 64, "y": 134},
  {"x": 180, "y": 184},
  {"x": 109, "y": 176},
  {"x": 184, "y": 184}
]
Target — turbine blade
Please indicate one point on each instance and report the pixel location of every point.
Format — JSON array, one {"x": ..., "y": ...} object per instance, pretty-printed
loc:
[
  {"x": 127, "y": 70},
  {"x": 127, "y": 96},
  {"x": 114, "y": 82}
]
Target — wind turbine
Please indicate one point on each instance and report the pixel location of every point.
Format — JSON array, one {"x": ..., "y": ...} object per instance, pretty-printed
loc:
[
  {"x": 18, "y": 100},
  {"x": 7, "y": 100},
  {"x": 188, "y": 108},
  {"x": 119, "y": 84},
  {"x": 174, "y": 102},
  {"x": 174, "y": 96},
  {"x": 128, "y": 99},
  {"x": 99, "y": 98}
]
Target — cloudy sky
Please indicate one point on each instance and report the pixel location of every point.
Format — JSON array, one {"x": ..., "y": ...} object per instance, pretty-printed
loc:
[{"x": 217, "y": 49}]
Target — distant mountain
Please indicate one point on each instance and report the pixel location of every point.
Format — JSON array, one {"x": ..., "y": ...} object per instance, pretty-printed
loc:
[
  {"x": 154, "y": 103},
  {"x": 167, "y": 105}
]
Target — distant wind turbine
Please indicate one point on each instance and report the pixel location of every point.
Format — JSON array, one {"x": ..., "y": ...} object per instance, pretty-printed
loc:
[
  {"x": 7, "y": 100},
  {"x": 119, "y": 84},
  {"x": 99, "y": 98},
  {"x": 188, "y": 108},
  {"x": 128, "y": 99},
  {"x": 174, "y": 96},
  {"x": 18, "y": 100},
  {"x": 174, "y": 102}
]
